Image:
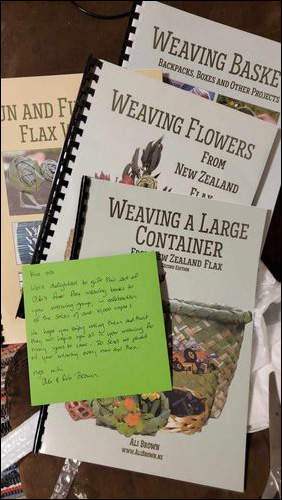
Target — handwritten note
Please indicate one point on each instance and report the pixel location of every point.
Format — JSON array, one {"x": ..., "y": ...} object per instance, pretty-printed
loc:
[{"x": 95, "y": 328}]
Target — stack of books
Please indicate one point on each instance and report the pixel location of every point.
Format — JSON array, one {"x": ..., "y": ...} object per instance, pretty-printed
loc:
[{"x": 181, "y": 161}]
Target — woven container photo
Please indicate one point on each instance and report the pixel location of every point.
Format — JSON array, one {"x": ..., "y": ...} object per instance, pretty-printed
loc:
[{"x": 205, "y": 345}]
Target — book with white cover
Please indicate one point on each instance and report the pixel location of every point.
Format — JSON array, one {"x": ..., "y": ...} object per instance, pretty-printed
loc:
[
  {"x": 132, "y": 129},
  {"x": 208, "y": 254}
]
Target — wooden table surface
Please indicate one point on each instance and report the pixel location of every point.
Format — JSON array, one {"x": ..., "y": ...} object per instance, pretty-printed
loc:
[{"x": 53, "y": 37}]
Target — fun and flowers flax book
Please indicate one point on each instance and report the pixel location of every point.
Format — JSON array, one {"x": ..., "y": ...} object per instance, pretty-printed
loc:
[
  {"x": 35, "y": 112},
  {"x": 208, "y": 254}
]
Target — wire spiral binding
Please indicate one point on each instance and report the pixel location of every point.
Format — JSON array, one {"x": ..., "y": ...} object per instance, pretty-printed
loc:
[
  {"x": 64, "y": 169},
  {"x": 130, "y": 34},
  {"x": 2, "y": 332},
  {"x": 67, "y": 156},
  {"x": 40, "y": 428},
  {"x": 81, "y": 217}
]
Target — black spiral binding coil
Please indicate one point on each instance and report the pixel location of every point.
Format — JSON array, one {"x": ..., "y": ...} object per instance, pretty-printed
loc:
[
  {"x": 37, "y": 443},
  {"x": 64, "y": 168},
  {"x": 2, "y": 332},
  {"x": 130, "y": 29},
  {"x": 80, "y": 217}
]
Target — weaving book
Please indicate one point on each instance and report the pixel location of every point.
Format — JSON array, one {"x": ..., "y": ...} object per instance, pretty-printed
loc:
[
  {"x": 223, "y": 64},
  {"x": 208, "y": 254},
  {"x": 35, "y": 112}
]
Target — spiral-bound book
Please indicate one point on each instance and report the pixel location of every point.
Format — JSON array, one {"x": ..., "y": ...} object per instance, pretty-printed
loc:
[
  {"x": 237, "y": 69},
  {"x": 35, "y": 112},
  {"x": 208, "y": 255},
  {"x": 132, "y": 129}
]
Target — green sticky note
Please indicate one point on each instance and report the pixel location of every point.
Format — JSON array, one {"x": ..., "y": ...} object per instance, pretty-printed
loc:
[{"x": 95, "y": 329}]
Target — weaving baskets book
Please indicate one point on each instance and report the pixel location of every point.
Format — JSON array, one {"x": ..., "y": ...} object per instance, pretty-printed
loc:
[
  {"x": 223, "y": 64},
  {"x": 208, "y": 258}
]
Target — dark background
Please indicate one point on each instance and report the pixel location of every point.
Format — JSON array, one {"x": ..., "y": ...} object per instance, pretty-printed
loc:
[{"x": 53, "y": 37}]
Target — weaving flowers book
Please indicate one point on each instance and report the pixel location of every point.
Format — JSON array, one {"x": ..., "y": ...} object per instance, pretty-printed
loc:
[
  {"x": 208, "y": 258},
  {"x": 134, "y": 130},
  {"x": 222, "y": 64}
]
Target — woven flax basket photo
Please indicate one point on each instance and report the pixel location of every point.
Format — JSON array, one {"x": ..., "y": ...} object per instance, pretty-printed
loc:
[{"x": 205, "y": 346}]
